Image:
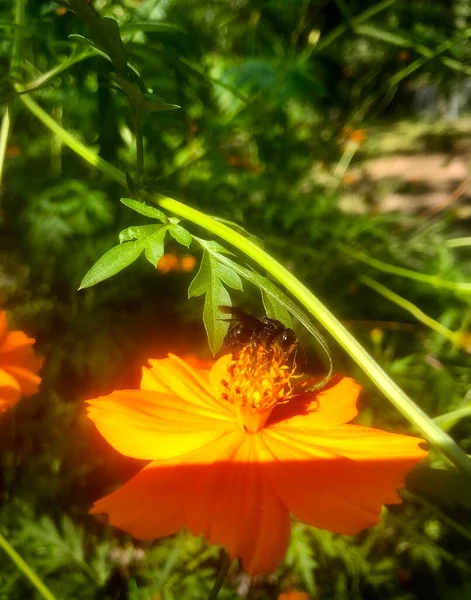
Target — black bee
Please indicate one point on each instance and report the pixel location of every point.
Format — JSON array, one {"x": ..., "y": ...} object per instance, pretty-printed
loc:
[{"x": 266, "y": 331}]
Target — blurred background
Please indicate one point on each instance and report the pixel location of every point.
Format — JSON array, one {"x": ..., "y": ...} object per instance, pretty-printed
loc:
[{"x": 339, "y": 132}]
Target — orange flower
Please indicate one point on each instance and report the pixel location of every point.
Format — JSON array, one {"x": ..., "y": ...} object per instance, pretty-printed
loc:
[
  {"x": 19, "y": 365},
  {"x": 236, "y": 449},
  {"x": 168, "y": 262},
  {"x": 294, "y": 595},
  {"x": 187, "y": 263}
]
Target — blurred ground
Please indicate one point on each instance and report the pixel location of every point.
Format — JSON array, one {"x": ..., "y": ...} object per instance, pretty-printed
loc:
[{"x": 421, "y": 168}]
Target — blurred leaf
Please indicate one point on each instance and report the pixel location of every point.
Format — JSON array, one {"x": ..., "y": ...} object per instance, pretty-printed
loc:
[
  {"x": 300, "y": 556},
  {"x": 440, "y": 486},
  {"x": 151, "y": 27},
  {"x": 105, "y": 32}
]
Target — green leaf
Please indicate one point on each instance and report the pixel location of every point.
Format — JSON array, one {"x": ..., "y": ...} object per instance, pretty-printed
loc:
[
  {"x": 155, "y": 247},
  {"x": 150, "y": 27},
  {"x": 114, "y": 261},
  {"x": 181, "y": 235},
  {"x": 149, "y": 237},
  {"x": 145, "y": 209},
  {"x": 152, "y": 103},
  {"x": 275, "y": 309},
  {"x": 112, "y": 42},
  {"x": 104, "y": 32},
  {"x": 136, "y": 232},
  {"x": 210, "y": 280}
]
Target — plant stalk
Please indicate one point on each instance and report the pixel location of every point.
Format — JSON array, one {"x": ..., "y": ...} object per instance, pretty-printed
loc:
[
  {"x": 26, "y": 569},
  {"x": 220, "y": 579}
]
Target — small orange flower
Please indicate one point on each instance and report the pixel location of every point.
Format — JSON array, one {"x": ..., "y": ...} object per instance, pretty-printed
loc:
[
  {"x": 19, "y": 365},
  {"x": 168, "y": 262},
  {"x": 358, "y": 136},
  {"x": 187, "y": 263},
  {"x": 237, "y": 448},
  {"x": 294, "y": 595}
]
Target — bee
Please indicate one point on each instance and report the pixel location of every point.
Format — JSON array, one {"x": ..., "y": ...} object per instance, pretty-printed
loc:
[{"x": 266, "y": 331}]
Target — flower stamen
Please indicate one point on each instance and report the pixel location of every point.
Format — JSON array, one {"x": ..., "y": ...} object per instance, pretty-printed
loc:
[{"x": 258, "y": 379}]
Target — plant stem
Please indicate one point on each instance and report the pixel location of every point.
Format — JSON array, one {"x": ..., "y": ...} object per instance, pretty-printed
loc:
[
  {"x": 19, "y": 20},
  {"x": 139, "y": 146},
  {"x": 453, "y": 336},
  {"x": 26, "y": 569},
  {"x": 226, "y": 565},
  {"x": 316, "y": 308},
  {"x": 402, "y": 272},
  {"x": 4, "y": 131}
]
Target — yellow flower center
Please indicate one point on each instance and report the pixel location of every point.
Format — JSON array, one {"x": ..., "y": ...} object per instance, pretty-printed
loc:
[{"x": 258, "y": 379}]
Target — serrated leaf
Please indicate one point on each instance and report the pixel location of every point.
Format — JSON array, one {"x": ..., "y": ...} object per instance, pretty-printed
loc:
[
  {"x": 155, "y": 247},
  {"x": 120, "y": 257},
  {"x": 202, "y": 279},
  {"x": 181, "y": 235},
  {"x": 208, "y": 281},
  {"x": 228, "y": 276},
  {"x": 114, "y": 261},
  {"x": 145, "y": 209},
  {"x": 136, "y": 232},
  {"x": 275, "y": 309}
]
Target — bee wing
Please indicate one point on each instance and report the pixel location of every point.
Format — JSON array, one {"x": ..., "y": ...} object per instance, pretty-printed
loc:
[{"x": 240, "y": 315}]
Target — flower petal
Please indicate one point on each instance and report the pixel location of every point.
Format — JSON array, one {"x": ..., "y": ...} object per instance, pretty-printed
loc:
[
  {"x": 174, "y": 376},
  {"x": 333, "y": 405},
  {"x": 339, "y": 479},
  {"x": 235, "y": 505},
  {"x": 154, "y": 503},
  {"x": 27, "y": 380},
  {"x": 153, "y": 425},
  {"x": 9, "y": 390},
  {"x": 3, "y": 323}
]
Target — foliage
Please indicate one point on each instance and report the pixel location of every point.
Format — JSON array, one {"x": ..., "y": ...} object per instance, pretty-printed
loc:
[{"x": 270, "y": 93}]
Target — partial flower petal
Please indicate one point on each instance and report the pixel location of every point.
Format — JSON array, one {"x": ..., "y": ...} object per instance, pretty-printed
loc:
[
  {"x": 3, "y": 323},
  {"x": 234, "y": 504},
  {"x": 339, "y": 479},
  {"x": 333, "y": 405},
  {"x": 174, "y": 376},
  {"x": 16, "y": 346},
  {"x": 156, "y": 501},
  {"x": 27, "y": 380},
  {"x": 9, "y": 390},
  {"x": 154, "y": 425}
]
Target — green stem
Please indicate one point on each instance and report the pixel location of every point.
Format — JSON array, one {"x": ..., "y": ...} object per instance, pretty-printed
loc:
[
  {"x": 391, "y": 390},
  {"x": 226, "y": 565},
  {"x": 26, "y": 569},
  {"x": 20, "y": 11},
  {"x": 453, "y": 336},
  {"x": 4, "y": 132},
  {"x": 459, "y": 242},
  {"x": 69, "y": 140},
  {"x": 402, "y": 272},
  {"x": 139, "y": 146},
  {"x": 19, "y": 20}
]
